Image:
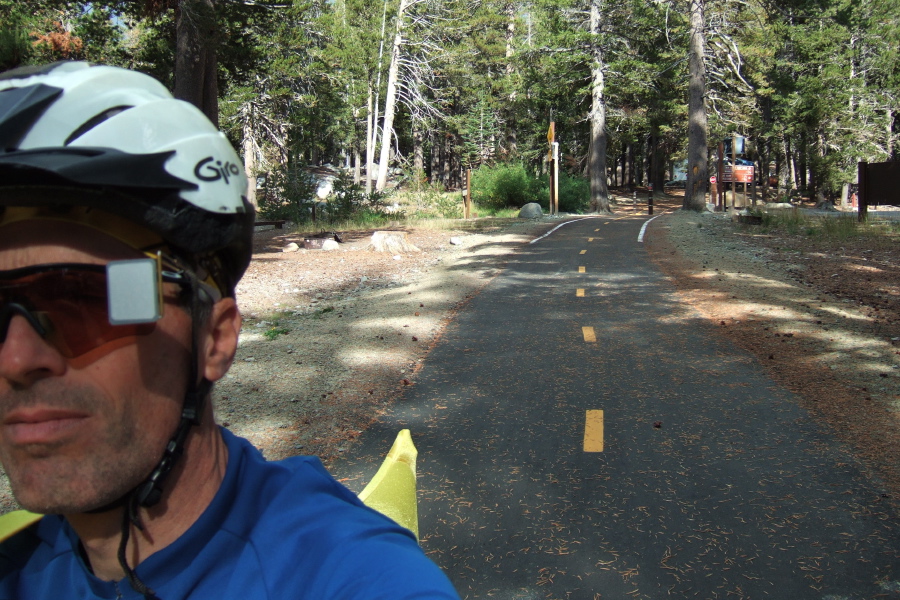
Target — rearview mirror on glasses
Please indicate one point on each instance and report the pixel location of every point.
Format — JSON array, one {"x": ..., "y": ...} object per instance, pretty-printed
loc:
[{"x": 134, "y": 291}]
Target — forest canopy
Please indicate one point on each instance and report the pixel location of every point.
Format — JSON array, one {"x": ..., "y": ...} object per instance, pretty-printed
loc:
[{"x": 434, "y": 87}]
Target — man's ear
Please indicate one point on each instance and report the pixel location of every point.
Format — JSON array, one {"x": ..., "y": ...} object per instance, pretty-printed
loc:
[{"x": 221, "y": 338}]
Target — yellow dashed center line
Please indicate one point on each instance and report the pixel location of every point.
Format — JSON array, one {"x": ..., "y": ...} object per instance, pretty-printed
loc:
[
  {"x": 583, "y": 252},
  {"x": 593, "y": 431},
  {"x": 579, "y": 292},
  {"x": 581, "y": 269},
  {"x": 590, "y": 239},
  {"x": 589, "y": 335}
]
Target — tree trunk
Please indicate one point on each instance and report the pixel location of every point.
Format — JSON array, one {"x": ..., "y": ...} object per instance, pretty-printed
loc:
[
  {"x": 785, "y": 172},
  {"x": 695, "y": 189},
  {"x": 599, "y": 189},
  {"x": 434, "y": 160},
  {"x": 446, "y": 151},
  {"x": 249, "y": 148},
  {"x": 195, "y": 56},
  {"x": 370, "y": 140},
  {"x": 629, "y": 175},
  {"x": 390, "y": 100},
  {"x": 418, "y": 153}
]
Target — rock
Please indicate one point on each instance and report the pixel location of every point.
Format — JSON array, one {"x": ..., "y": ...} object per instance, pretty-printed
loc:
[
  {"x": 532, "y": 210},
  {"x": 391, "y": 241},
  {"x": 330, "y": 245},
  {"x": 292, "y": 247},
  {"x": 455, "y": 241}
]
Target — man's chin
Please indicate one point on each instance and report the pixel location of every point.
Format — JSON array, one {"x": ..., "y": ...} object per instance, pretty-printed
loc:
[{"x": 65, "y": 497}]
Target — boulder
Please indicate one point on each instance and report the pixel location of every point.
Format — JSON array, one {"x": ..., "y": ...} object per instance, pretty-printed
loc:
[
  {"x": 532, "y": 210},
  {"x": 455, "y": 241},
  {"x": 394, "y": 242},
  {"x": 330, "y": 245},
  {"x": 292, "y": 247}
]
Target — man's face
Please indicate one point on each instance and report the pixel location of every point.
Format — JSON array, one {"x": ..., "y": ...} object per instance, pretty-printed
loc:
[{"x": 77, "y": 434}]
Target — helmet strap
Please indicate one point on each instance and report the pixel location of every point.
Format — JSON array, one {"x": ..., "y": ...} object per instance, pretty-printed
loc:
[{"x": 150, "y": 492}]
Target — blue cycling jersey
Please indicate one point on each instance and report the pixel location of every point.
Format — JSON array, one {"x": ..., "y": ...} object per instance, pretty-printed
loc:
[{"x": 279, "y": 530}]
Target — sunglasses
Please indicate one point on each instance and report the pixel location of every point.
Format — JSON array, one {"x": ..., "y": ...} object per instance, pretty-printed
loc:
[{"x": 80, "y": 307}]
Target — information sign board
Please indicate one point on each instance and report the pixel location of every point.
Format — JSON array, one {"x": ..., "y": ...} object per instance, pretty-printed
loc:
[{"x": 742, "y": 174}]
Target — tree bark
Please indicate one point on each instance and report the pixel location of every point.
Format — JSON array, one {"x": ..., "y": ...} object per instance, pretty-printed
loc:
[
  {"x": 390, "y": 100},
  {"x": 695, "y": 189},
  {"x": 195, "y": 56},
  {"x": 418, "y": 153},
  {"x": 249, "y": 148},
  {"x": 370, "y": 140},
  {"x": 599, "y": 189}
]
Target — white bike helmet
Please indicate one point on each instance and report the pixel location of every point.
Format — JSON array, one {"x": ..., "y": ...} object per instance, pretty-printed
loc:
[{"x": 109, "y": 139}]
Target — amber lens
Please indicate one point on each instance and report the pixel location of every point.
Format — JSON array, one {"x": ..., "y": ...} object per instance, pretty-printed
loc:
[{"x": 70, "y": 303}]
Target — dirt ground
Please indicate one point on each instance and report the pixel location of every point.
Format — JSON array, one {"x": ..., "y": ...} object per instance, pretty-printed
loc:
[{"x": 331, "y": 338}]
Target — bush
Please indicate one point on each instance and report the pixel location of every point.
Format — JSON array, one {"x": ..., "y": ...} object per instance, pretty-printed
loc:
[
  {"x": 290, "y": 195},
  {"x": 502, "y": 186},
  {"x": 511, "y": 185},
  {"x": 350, "y": 202},
  {"x": 574, "y": 193}
]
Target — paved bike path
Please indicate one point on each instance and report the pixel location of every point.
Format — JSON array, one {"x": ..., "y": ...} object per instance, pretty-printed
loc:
[{"x": 711, "y": 482}]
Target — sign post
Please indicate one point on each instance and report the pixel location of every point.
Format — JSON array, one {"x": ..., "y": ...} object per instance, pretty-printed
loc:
[{"x": 552, "y": 157}]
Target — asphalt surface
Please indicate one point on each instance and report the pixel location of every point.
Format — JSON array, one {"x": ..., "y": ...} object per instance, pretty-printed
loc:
[{"x": 711, "y": 482}]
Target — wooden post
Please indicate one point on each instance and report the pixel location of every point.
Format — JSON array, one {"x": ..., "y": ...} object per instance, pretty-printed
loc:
[
  {"x": 720, "y": 179},
  {"x": 862, "y": 195},
  {"x": 733, "y": 170},
  {"x": 551, "y": 158},
  {"x": 552, "y": 185},
  {"x": 555, "y": 178},
  {"x": 467, "y": 199}
]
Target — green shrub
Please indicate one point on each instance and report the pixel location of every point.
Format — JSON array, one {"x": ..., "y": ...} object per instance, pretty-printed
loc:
[
  {"x": 512, "y": 185},
  {"x": 350, "y": 202},
  {"x": 502, "y": 186},
  {"x": 574, "y": 193},
  {"x": 289, "y": 195}
]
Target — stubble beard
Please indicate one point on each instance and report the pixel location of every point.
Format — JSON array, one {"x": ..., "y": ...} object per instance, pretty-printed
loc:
[{"x": 79, "y": 475}]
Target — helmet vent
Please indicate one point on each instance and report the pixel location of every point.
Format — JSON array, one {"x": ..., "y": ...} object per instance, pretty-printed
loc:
[{"x": 93, "y": 122}]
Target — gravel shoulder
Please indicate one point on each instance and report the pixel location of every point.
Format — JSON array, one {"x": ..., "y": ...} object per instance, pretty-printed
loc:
[{"x": 821, "y": 320}]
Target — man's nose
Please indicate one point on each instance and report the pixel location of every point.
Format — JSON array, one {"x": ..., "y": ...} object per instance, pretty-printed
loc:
[{"x": 25, "y": 356}]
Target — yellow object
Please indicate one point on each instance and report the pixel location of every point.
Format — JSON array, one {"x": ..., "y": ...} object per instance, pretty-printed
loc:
[
  {"x": 13, "y": 522},
  {"x": 392, "y": 491},
  {"x": 593, "y": 431}
]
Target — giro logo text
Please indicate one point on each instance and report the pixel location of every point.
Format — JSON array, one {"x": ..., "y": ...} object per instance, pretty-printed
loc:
[{"x": 210, "y": 169}]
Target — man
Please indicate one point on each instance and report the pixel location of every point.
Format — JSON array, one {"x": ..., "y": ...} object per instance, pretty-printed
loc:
[{"x": 123, "y": 232}]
